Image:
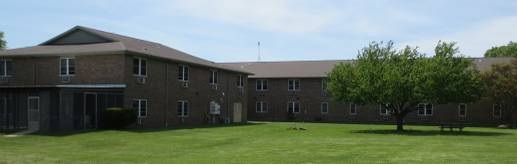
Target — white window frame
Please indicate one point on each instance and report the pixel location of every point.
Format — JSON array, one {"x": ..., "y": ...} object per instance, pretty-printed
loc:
[
  {"x": 139, "y": 109},
  {"x": 324, "y": 85},
  {"x": 355, "y": 109},
  {"x": 183, "y": 114},
  {"x": 425, "y": 109},
  {"x": 294, "y": 81},
  {"x": 459, "y": 110},
  {"x": 184, "y": 73},
  {"x": 140, "y": 74},
  {"x": 215, "y": 75},
  {"x": 240, "y": 81},
  {"x": 494, "y": 111},
  {"x": 386, "y": 110},
  {"x": 67, "y": 68},
  {"x": 294, "y": 103},
  {"x": 261, "y": 110},
  {"x": 326, "y": 104},
  {"x": 4, "y": 65},
  {"x": 262, "y": 82}
]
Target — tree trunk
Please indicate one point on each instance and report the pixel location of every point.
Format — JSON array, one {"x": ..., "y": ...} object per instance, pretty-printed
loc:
[{"x": 400, "y": 123}]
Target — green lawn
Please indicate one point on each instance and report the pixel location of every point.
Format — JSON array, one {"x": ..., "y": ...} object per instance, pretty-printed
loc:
[{"x": 267, "y": 143}]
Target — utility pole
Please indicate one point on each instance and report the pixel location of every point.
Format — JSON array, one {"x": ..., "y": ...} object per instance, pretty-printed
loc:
[{"x": 258, "y": 48}]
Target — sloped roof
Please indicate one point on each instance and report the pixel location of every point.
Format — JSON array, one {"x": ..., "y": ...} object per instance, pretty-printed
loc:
[
  {"x": 118, "y": 43},
  {"x": 319, "y": 69}
]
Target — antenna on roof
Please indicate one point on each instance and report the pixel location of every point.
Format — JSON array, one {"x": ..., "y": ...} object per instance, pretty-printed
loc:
[{"x": 258, "y": 47}]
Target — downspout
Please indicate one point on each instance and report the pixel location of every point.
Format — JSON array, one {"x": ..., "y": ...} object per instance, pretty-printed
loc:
[{"x": 166, "y": 94}]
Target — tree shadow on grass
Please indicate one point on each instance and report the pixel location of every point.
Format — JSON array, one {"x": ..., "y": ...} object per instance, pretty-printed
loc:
[
  {"x": 145, "y": 130},
  {"x": 430, "y": 133}
]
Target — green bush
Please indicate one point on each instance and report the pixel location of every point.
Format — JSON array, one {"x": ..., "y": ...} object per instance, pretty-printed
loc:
[{"x": 118, "y": 118}]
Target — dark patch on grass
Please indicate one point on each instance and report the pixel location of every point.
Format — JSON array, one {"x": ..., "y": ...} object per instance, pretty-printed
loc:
[{"x": 430, "y": 132}]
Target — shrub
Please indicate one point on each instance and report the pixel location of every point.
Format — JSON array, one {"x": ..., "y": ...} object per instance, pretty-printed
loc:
[{"x": 118, "y": 118}]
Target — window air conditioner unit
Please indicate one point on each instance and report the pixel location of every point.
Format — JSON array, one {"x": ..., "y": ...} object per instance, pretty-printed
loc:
[
  {"x": 184, "y": 84},
  {"x": 141, "y": 80},
  {"x": 65, "y": 79}
]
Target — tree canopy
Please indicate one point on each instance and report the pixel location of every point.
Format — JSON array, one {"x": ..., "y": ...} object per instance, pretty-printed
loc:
[
  {"x": 509, "y": 50},
  {"x": 401, "y": 79},
  {"x": 2, "y": 41},
  {"x": 501, "y": 84}
]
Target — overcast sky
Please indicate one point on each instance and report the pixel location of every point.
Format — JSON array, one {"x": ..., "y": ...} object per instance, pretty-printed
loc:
[{"x": 228, "y": 30}]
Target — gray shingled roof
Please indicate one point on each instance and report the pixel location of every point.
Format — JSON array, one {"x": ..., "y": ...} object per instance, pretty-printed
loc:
[
  {"x": 318, "y": 69},
  {"x": 121, "y": 44}
]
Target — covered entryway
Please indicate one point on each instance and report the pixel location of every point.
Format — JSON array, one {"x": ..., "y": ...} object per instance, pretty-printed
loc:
[
  {"x": 33, "y": 111},
  {"x": 237, "y": 112},
  {"x": 90, "y": 112}
]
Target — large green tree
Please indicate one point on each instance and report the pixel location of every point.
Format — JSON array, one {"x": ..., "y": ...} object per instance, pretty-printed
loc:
[
  {"x": 509, "y": 50},
  {"x": 401, "y": 79},
  {"x": 2, "y": 41},
  {"x": 501, "y": 85}
]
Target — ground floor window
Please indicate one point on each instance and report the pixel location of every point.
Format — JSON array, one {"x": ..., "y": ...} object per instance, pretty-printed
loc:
[
  {"x": 383, "y": 110},
  {"x": 496, "y": 111},
  {"x": 324, "y": 108},
  {"x": 261, "y": 107},
  {"x": 293, "y": 107},
  {"x": 140, "y": 105},
  {"x": 424, "y": 109},
  {"x": 183, "y": 108},
  {"x": 462, "y": 110},
  {"x": 352, "y": 109}
]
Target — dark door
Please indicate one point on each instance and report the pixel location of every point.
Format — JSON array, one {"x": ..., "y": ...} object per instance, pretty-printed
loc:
[{"x": 90, "y": 110}]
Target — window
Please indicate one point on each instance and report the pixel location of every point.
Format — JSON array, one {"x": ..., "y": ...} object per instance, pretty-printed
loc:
[
  {"x": 183, "y": 74},
  {"x": 240, "y": 81},
  {"x": 293, "y": 107},
  {"x": 462, "y": 110},
  {"x": 213, "y": 77},
  {"x": 324, "y": 108},
  {"x": 139, "y": 67},
  {"x": 5, "y": 68},
  {"x": 353, "y": 109},
  {"x": 67, "y": 66},
  {"x": 496, "y": 110},
  {"x": 140, "y": 105},
  {"x": 261, "y": 107},
  {"x": 261, "y": 84},
  {"x": 383, "y": 110},
  {"x": 293, "y": 85},
  {"x": 324, "y": 85},
  {"x": 183, "y": 108},
  {"x": 425, "y": 109}
]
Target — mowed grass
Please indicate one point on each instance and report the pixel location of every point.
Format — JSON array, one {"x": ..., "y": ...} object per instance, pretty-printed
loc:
[{"x": 267, "y": 143}]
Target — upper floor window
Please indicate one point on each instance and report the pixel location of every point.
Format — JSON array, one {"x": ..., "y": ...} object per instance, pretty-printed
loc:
[
  {"x": 139, "y": 67},
  {"x": 240, "y": 81},
  {"x": 462, "y": 110},
  {"x": 425, "y": 109},
  {"x": 353, "y": 109},
  {"x": 262, "y": 84},
  {"x": 5, "y": 68},
  {"x": 183, "y": 109},
  {"x": 67, "y": 66},
  {"x": 324, "y": 108},
  {"x": 383, "y": 110},
  {"x": 213, "y": 77},
  {"x": 140, "y": 105},
  {"x": 293, "y": 84},
  {"x": 496, "y": 110},
  {"x": 293, "y": 107},
  {"x": 324, "y": 85},
  {"x": 183, "y": 73},
  {"x": 261, "y": 107}
]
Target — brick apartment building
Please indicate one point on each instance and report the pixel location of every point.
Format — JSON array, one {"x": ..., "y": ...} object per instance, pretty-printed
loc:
[
  {"x": 295, "y": 90},
  {"x": 67, "y": 82}
]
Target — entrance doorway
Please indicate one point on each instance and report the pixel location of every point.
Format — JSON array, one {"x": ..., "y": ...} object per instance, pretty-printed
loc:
[
  {"x": 90, "y": 111},
  {"x": 237, "y": 112},
  {"x": 33, "y": 111}
]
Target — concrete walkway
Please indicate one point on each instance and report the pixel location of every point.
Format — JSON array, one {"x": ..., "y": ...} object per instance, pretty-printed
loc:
[{"x": 21, "y": 133}]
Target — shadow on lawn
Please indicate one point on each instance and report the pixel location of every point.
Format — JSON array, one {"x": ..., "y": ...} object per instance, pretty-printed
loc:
[
  {"x": 431, "y": 133},
  {"x": 145, "y": 130}
]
